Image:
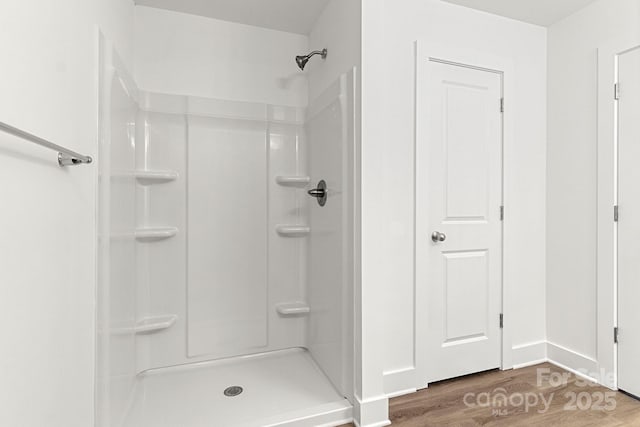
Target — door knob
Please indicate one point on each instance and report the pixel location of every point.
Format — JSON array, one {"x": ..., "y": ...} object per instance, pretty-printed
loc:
[{"x": 438, "y": 237}]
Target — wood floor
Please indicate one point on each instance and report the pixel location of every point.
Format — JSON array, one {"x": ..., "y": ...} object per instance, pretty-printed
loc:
[{"x": 541, "y": 395}]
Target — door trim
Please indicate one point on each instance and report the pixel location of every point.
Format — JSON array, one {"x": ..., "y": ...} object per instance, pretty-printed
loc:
[{"x": 487, "y": 62}]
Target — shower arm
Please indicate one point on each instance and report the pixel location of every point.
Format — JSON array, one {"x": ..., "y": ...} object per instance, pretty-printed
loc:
[{"x": 322, "y": 53}]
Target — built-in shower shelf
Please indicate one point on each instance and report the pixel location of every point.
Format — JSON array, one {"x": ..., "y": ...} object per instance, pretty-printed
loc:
[
  {"x": 155, "y": 324},
  {"x": 293, "y": 230},
  {"x": 293, "y": 181},
  {"x": 293, "y": 308},
  {"x": 148, "y": 177},
  {"x": 156, "y": 233}
]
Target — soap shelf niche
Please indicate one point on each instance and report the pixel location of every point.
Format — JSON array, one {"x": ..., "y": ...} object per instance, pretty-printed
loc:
[
  {"x": 293, "y": 180},
  {"x": 155, "y": 233},
  {"x": 154, "y": 324},
  {"x": 293, "y": 230},
  {"x": 150, "y": 177},
  {"x": 293, "y": 308}
]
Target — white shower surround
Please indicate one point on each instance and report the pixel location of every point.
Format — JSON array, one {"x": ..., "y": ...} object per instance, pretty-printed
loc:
[
  {"x": 149, "y": 184},
  {"x": 201, "y": 140}
]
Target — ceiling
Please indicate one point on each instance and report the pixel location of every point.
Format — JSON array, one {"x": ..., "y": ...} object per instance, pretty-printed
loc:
[
  {"x": 294, "y": 16},
  {"x": 539, "y": 12}
]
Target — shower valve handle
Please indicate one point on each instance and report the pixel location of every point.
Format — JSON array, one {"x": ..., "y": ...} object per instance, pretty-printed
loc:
[
  {"x": 317, "y": 192},
  {"x": 320, "y": 193}
]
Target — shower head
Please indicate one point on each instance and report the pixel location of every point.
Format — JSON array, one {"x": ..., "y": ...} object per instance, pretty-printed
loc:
[{"x": 303, "y": 59}]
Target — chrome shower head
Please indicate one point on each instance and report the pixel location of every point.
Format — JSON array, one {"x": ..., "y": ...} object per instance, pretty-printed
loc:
[{"x": 303, "y": 59}]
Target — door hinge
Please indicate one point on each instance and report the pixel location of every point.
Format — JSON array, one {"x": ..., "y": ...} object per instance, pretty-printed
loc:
[
  {"x": 616, "y": 91},
  {"x": 615, "y": 335},
  {"x": 616, "y": 213},
  {"x": 501, "y": 213},
  {"x": 501, "y": 320},
  {"x": 502, "y": 105}
]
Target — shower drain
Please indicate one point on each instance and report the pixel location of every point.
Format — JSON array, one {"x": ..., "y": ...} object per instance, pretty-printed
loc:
[{"x": 233, "y": 391}]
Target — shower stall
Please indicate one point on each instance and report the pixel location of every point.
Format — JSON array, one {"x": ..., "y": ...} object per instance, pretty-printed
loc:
[{"x": 225, "y": 289}]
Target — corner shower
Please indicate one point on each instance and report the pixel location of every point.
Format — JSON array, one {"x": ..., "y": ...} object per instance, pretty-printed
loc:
[{"x": 225, "y": 291}]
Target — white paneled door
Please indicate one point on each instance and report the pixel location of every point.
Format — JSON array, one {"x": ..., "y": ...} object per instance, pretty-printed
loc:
[
  {"x": 629, "y": 222},
  {"x": 459, "y": 226}
]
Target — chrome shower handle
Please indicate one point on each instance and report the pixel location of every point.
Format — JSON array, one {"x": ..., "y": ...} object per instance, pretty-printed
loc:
[{"x": 320, "y": 193}]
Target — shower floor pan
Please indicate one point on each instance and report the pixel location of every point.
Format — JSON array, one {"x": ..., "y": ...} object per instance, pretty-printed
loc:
[{"x": 282, "y": 388}]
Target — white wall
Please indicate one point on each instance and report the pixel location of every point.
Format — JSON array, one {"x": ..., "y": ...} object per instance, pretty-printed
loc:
[
  {"x": 185, "y": 54},
  {"x": 47, "y": 301},
  {"x": 337, "y": 29},
  {"x": 572, "y": 171},
  {"x": 370, "y": 295},
  {"x": 388, "y": 162}
]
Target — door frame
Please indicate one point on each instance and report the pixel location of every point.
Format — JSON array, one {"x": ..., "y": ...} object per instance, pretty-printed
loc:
[
  {"x": 488, "y": 62},
  {"x": 607, "y": 228}
]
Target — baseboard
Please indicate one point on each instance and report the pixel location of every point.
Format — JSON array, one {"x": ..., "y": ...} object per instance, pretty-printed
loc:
[
  {"x": 529, "y": 354},
  {"x": 572, "y": 361},
  {"x": 372, "y": 412},
  {"x": 399, "y": 382},
  {"x": 380, "y": 424},
  {"x": 403, "y": 381}
]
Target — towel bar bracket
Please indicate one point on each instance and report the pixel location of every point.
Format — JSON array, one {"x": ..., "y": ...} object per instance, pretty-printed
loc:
[{"x": 66, "y": 160}]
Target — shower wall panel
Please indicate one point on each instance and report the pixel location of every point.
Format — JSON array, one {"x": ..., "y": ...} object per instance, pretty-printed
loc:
[
  {"x": 122, "y": 307},
  {"x": 116, "y": 320},
  {"x": 288, "y": 205},
  {"x": 330, "y": 125},
  {"x": 162, "y": 267},
  {"x": 227, "y": 235},
  {"x": 225, "y": 272}
]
